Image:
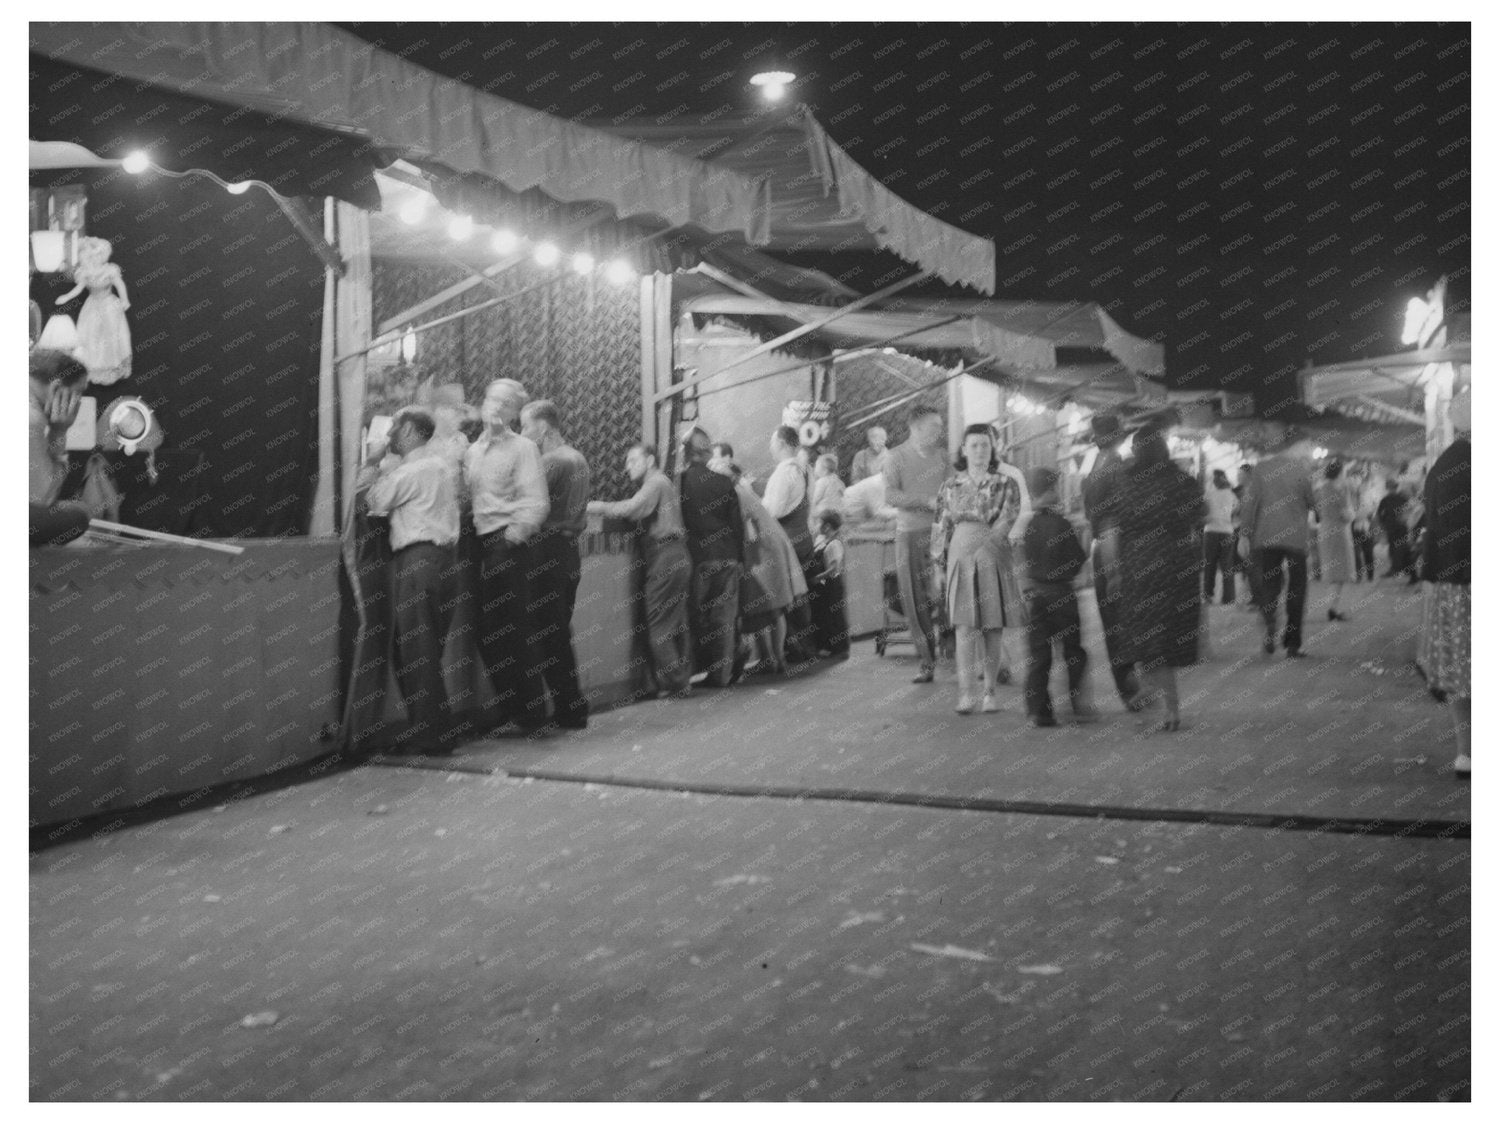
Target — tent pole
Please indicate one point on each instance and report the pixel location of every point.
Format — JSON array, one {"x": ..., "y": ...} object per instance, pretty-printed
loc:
[
  {"x": 835, "y": 357},
  {"x": 823, "y": 321}
]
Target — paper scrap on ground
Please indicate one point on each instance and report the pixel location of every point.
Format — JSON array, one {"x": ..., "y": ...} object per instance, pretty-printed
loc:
[
  {"x": 263, "y": 1018},
  {"x": 951, "y": 950},
  {"x": 1038, "y": 969},
  {"x": 747, "y": 879},
  {"x": 860, "y": 918}
]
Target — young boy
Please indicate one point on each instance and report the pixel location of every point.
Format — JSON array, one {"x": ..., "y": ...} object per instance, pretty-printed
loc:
[
  {"x": 830, "y": 617},
  {"x": 1053, "y": 558}
]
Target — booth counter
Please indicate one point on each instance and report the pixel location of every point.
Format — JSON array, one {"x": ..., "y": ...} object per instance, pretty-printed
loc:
[{"x": 162, "y": 670}]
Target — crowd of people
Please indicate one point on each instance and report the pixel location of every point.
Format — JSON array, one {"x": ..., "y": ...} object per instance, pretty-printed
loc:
[
  {"x": 732, "y": 584},
  {"x": 1160, "y": 545},
  {"x": 738, "y": 584}
]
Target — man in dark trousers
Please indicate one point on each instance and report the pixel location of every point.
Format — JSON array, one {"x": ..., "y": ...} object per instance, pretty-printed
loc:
[
  {"x": 507, "y": 490},
  {"x": 668, "y": 570},
  {"x": 417, "y": 493},
  {"x": 1273, "y": 517},
  {"x": 1390, "y": 513},
  {"x": 1100, "y": 493},
  {"x": 716, "y": 544},
  {"x": 556, "y": 566}
]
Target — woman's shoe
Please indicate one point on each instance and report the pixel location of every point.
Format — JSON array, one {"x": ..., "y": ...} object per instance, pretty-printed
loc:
[
  {"x": 1335, "y": 615},
  {"x": 1170, "y": 725},
  {"x": 1461, "y": 765},
  {"x": 989, "y": 705},
  {"x": 965, "y": 704}
]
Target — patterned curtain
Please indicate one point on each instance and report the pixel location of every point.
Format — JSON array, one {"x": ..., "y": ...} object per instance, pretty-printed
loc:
[{"x": 575, "y": 340}]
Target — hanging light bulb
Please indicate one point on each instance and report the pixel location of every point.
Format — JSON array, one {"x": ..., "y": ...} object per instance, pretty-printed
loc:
[
  {"x": 238, "y": 188},
  {"x": 460, "y": 227},
  {"x": 505, "y": 241},
  {"x": 618, "y": 272},
  {"x": 583, "y": 263},
  {"x": 547, "y": 254},
  {"x": 408, "y": 345},
  {"x": 773, "y": 83},
  {"x": 136, "y": 162}
]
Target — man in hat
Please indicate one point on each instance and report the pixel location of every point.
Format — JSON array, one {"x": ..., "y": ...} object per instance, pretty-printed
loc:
[
  {"x": 716, "y": 544},
  {"x": 1101, "y": 489}
]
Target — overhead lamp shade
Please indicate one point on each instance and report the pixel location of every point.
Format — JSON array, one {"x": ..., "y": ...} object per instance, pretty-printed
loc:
[
  {"x": 48, "y": 248},
  {"x": 60, "y": 334}
]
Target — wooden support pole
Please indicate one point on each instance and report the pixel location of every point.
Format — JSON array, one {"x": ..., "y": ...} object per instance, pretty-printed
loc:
[{"x": 326, "y": 253}]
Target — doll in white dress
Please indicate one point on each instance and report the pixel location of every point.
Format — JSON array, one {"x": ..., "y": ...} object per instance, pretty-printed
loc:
[{"x": 103, "y": 335}]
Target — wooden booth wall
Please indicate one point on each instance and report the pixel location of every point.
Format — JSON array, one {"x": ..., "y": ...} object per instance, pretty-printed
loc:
[{"x": 576, "y": 341}]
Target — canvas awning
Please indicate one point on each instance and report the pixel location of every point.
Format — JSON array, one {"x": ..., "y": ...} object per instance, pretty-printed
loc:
[
  {"x": 1386, "y": 388},
  {"x": 1020, "y": 334},
  {"x": 321, "y": 76},
  {"x": 820, "y": 198}
]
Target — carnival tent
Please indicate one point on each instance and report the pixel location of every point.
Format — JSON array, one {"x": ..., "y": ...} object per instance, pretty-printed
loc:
[{"x": 820, "y": 198}]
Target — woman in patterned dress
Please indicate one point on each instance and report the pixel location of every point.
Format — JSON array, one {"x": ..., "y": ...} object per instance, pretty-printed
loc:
[
  {"x": 976, "y": 508},
  {"x": 1161, "y": 509},
  {"x": 1446, "y": 564}
]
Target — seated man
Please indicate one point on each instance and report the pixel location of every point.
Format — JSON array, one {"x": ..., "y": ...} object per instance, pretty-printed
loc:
[{"x": 57, "y": 384}]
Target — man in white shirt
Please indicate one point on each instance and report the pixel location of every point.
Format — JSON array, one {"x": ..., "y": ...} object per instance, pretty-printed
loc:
[
  {"x": 869, "y": 461},
  {"x": 1218, "y": 537},
  {"x": 507, "y": 490},
  {"x": 418, "y": 495}
]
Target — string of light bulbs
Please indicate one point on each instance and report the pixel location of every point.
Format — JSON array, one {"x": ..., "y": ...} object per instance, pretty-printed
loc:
[{"x": 460, "y": 227}]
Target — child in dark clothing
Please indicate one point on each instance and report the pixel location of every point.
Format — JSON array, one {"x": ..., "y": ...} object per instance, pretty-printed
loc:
[
  {"x": 1053, "y": 558},
  {"x": 829, "y": 613}
]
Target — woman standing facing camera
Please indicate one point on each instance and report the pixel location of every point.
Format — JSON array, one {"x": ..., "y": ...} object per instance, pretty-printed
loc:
[{"x": 976, "y": 508}]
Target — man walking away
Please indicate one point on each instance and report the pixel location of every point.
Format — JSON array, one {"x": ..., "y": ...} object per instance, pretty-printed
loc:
[
  {"x": 1274, "y": 520},
  {"x": 1101, "y": 490},
  {"x": 418, "y": 495},
  {"x": 557, "y": 567},
  {"x": 716, "y": 544},
  {"x": 914, "y": 472},
  {"x": 668, "y": 569},
  {"x": 1218, "y": 538},
  {"x": 1390, "y": 513}
]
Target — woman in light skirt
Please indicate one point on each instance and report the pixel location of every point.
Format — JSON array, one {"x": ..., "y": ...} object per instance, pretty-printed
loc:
[{"x": 976, "y": 509}]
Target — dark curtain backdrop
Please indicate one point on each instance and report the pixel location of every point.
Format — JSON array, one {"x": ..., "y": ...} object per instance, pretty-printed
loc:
[
  {"x": 225, "y": 319},
  {"x": 576, "y": 341}
]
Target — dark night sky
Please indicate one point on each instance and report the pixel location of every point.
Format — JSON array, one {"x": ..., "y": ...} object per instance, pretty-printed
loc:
[{"x": 1254, "y": 195}]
